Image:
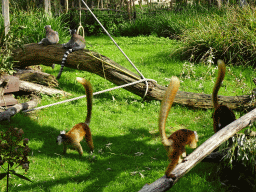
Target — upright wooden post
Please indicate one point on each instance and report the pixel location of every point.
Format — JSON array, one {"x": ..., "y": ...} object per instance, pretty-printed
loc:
[
  {"x": 66, "y": 5},
  {"x": 47, "y": 6},
  {"x": 219, "y": 3},
  {"x": 5, "y": 12}
]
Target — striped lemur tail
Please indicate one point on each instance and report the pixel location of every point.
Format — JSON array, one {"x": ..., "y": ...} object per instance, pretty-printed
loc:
[
  {"x": 76, "y": 42},
  {"x": 63, "y": 62}
]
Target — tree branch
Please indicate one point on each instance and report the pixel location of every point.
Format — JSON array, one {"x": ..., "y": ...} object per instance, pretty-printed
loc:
[
  {"x": 201, "y": 152},
  {"x": 6, "y": 115},
  {"x": 33, "y": 54}
]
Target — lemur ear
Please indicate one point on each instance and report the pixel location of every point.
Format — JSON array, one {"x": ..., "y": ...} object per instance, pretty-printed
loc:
[{"x": 62, "y": 132}]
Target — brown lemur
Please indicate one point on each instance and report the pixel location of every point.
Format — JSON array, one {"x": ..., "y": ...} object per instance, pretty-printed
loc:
[
  {"x": 52, "y": 37},
  {"x": 222, "y": 115},
  {"x": 75, "y": 43},
  {"x": 174, "y": 144},
  {"x": 72, "y": 138}
]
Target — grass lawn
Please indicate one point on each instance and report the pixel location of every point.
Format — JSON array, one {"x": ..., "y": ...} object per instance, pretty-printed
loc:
[{"x": 128, "y": 151}]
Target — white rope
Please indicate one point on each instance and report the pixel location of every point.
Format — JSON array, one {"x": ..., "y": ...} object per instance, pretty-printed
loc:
[
  {"x": 118, "y": 48},
  {"x": 83, "y": 96}
]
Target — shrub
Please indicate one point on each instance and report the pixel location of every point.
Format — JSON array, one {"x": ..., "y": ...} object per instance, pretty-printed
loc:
[
  {"x": 232, "y": 36},
  {"x": 13, "y": 152}
]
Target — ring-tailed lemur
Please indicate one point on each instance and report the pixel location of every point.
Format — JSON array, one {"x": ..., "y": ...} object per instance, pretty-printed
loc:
[
  {"x": 73, "y": 138},
  {"x": 52, "y": 37},
  {"x": 75, "y": 43}
]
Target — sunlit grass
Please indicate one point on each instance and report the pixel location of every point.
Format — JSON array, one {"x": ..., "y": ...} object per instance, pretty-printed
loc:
[{"x": 122, "y": 124}]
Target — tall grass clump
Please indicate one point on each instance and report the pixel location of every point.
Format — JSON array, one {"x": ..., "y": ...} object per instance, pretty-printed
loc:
[
  {"x": 231, "y": 36},
  {"x": 165, "y": 23}
]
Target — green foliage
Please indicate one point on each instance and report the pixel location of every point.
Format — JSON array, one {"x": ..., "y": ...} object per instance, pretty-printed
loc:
[
  {"x": 9, "y": 42},
  {"x": 128, "y": 150},
  {"x": 26, "y": 27},
  {"x": 13, "y": 152},
  {"x": 238, "y": 166},
  {"x": 242, "y": 151},
  {"x": 231, "y": 36},
  {"x": 110, "y": 20}
]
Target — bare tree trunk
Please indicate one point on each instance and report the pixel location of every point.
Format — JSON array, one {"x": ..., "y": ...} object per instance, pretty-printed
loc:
[
  {"x": 219, "y": 3},
  {"x": 34, "y": 54},
  {"x": 129, "y": 9},
  {"x": 5, "y": 13}
]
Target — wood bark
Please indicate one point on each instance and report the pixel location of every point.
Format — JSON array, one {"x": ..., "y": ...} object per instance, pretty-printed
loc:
[
  {"x": 5, "y": 13},
  {"x": 163, "y": 184},
  {"x": 6, "y": 115},
  {"x": 35, "y": 88},
  {"x": 37, "y": 77},
  {"x": 34, "y": 54}
]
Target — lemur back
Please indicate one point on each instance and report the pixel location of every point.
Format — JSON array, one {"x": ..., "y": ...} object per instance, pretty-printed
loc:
[
  {"x": 52, "y": 37},
  {"x": 75, "y": 43}
]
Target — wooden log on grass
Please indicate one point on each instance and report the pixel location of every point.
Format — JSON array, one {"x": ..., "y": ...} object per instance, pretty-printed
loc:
[
  {"x": 34, "y": 54},
  {"x": 164, "y": 184},
  {"x": 35, "y": 76},
  {"x": 36, "y": 88},
  {"x": 6, "y": 115}
]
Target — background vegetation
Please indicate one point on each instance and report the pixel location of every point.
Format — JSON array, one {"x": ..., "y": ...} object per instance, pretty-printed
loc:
[{"x": 128, "y": 151}]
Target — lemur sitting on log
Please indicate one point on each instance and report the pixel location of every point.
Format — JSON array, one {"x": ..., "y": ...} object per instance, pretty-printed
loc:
[
  {"x": 75, "y": 43},
  {"x": 52, "y": 37}
]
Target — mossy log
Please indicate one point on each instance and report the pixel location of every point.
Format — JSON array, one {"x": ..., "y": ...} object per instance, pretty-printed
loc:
[{"x": 34, "y": 54}]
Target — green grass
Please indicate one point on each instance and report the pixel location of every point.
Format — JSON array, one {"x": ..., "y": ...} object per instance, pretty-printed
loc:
[
  {"x": 122, "y": 124},
  {"x": 230, "y": 34}
]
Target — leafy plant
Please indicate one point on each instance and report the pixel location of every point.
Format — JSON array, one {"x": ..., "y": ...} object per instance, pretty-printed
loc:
[
  {"x": 230, "y": 35},
  {"x": 10, "y": 41},
  {"x": 243, "y": 150},
  {"x": 13, "y": 152}
]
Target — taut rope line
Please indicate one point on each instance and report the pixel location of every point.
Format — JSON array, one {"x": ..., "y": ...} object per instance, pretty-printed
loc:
[
  {"x": 83, "y": 96},
  {"x": 118, "y": 48}
]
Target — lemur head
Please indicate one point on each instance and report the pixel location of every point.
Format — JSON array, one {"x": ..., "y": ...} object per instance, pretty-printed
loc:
[
  {"x": 47, "y": 27},
  {"x": 61, "y": 137},
  {"x": 72, "y": 31}
]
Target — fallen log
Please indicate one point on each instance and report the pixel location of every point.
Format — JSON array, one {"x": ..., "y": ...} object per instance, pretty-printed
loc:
[
  {"x": 34, "y": 54},
  {"x": 164, "y": 184},
  {"x": 35, "y": 88},
  {"x": 6, "y": 115},
  {"x": 37, "y": 77}
]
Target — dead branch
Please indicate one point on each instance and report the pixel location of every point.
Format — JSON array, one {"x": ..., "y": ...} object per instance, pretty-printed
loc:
[
  {"x": 201, "y": 152},
  {"x": 34, "y": 54},
  {"x": 6, "y": 115},
  {"x": 37, "y": 77},
  {"x": 35, "y": 88}
]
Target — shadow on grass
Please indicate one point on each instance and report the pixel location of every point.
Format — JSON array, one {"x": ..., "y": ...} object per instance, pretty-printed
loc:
[
  {"x": 106, "y": 167},
  {"x": 120, "y": 161}
]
